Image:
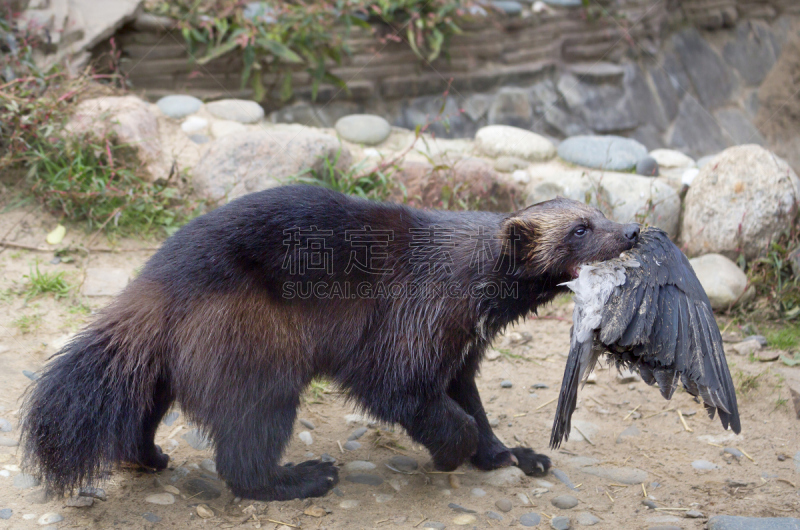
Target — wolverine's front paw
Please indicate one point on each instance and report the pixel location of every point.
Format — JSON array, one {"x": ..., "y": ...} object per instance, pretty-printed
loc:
[
  {"x": 488, "y": 460},
  {"x": 531, "y": 463}
]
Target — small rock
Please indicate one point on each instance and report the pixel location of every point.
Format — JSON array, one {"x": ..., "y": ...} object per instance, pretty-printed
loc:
[
  {"x": 197, "y": 439},
  {"x": 647, "y": 166},
  {"x": 170, "y": 418},
  {"x": 307, "y": 424},
  {"x": 476, "y": 492},
  {"x": 325, "y": 457},
  {"x": 730, "y": 522},
  {"x": 587, "y": 519},
  {"x": 459, "y": 508},
  {"x": 161, "y": 498},
  {"x": 650, "y": 504},
  {"x": 383, "y": 498},
  {"x": 403, "y": 463},
  {"x": 348, "y": 504},
  {"x": 351, "y": 445},
  {"x": 506, "y": 384},
  {"x": 503, "y": 140},
  {"x": 560, "y": 475},
  {"x": 194, "y": 124},
  {"x": 530, "y": 519},
  {"x": 583, "y": 429},
  {"x": 79, "y": 501},
  {"x": 358, "y": 433},
  {"x": 464, "y": 519},
  {"x": 733, "y": 452},
  {"x": 239, "y": 110},
  {"x": 33, "y": 376},
  {"x": 364, "y": 129},
  {"x": 169, "y": 488},
  {"x": 50, "y": 518},
  {"x": 209, "y": 465},
  {"x": 5, "y": 425},
  {"x": 560, "y": 523},
  {"x": 694, "y": 514},
  {"x": 539, "y": 386},
  {"x": 746, "y": 347},
  {"x": 178, "y": 474},
  {"x": 494, "y": 515},
  {"x": 359, "y": 466},
  {"x": 494, "y": 422},
  {"x": 178, "y": 106},
  {"x": 151, "y": 517},
  {"x": 564, "y": 502},
  {"x": 492, "y": 355},
  {"x": 38, "y": 496},
  {"x": 365, "y": 478},
  {"x": 95, "y": 493},
  {"x": 315, "y": 511},
  {"x": 504, "y": 505},
  {"x": 6, "y": 513},
  {"x": 704, "y": 465},
  {"x": 201, "y": 490},
  {"x": 613, "y": 153},
  {"x": 669, "y": 158},
  {"x": 630, "y": 432},
  {"x": 204, "y": 511},
  {"x": 306, "y": 438},
  {"x": 8, "y": 442},
  {"x": 761, "y": 339},
  {"x": 723, "y": 281},
  {"x": 23, "y": 481},
  {"x": 434, "y": 525},
  {"x": 507, "y": 476}
]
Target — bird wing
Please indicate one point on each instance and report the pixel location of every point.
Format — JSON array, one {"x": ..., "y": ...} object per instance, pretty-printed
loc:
[{"x": 660, "y": 321}]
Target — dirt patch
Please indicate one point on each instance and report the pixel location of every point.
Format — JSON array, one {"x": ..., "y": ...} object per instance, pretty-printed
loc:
[{"x": 530, "y": 356}]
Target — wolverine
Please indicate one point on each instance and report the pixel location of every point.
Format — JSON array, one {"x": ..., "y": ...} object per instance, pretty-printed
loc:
[{"x": 243, "y": 306}]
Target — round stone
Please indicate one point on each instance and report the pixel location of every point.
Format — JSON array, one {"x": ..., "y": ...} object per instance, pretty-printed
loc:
[
  {"x": 504, "y": 505},
  {"x": 503, "y": 140},
  {"x": 204, "y": 511},
  {"x": 358, "y": 433},
  {"x": 306, "y": 438},
  {"x": 364, "y": 129},
  {"x": 209, "y": 465},
  {"x": 351, "y": 445},
  {"x": 613, "y": 153},
  {"x": 348, "y": 504},
  {"x": 506, "y": 384},
  {"x": 704, "y": 465},
  {"x": 365, "y": 478},
  {"x": 477, "y": 492},
  {"x": 201, "y": 490},
  {"x": 647, "y": 166},
  {"x": 733, "y": 452},
  {"x": 50, "y": 518},
  {"x": 650, "y": 504},
  {"x": 194, "y": 124},
  {"x": 178, "y": 106},
  {"x": 239, "y": 110},
  {"x": 464, "y": 519},
  {"x": 163, "y": 499},
  {"x": 560, "y": 523},
  {"x": 6, "y": 513},
  {"x": 564, "y": 502},
  {"x": 307, "y": 424},
  {"x": 5, "y": 425},
  {"x": 403, "y": 463},
  {"x": 359, "y": 466},
  {"x": 530, "y": 519},
  {"x": 434, "y": 525},
  {"x": 587, "y": 519}
]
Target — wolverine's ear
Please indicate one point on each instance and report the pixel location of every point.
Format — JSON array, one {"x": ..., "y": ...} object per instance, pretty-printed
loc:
[{"x": 519, "y": 238}]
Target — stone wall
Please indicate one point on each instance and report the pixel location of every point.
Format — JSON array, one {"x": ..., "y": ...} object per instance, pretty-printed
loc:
[{"x": 681, "y": 74}]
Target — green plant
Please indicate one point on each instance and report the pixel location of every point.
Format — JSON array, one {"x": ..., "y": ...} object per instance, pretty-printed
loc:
[
  {"x": 45, "y": 282},
  {"x": 316, "y": 390},
  {"x": 747, "y": 383},
  {"x": 785, "y": 338},
  {"x": 375, "y": 184},
  {"x": 28, "y": 323}
]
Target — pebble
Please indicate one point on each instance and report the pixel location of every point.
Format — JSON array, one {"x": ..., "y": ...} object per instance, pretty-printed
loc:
[
  {"x": 459, "y": 508},
  {"x": 477, "y": 492},
  {"x": 307, "y": 424},
  {"x": 630, "y": 432},
  {"x": 560, "y": 523},
  {"x": 494, "y": 515},
  {"x": 325, "y": 457},
  {"x": 238, "y": 110},
  {"x": 669, "y": 158},
  {"x": 647, "y": 166},
  {"x": 583, "y": 429},
  {"x": 587, "y": 519},
  {"x": 733, "y": 452},
  {"x": 464, "y": 519},
  {"x": 29, "y": 516},
  {"x": 197, "y": 439},
  {"x": 306, "y": 438},
  {"x": 351, "y": 445},
  {"x": 6, "y": 513},
  {"x": 178, "y": 106},
  {"x": 161, "y": 498},
  {"x": 530, "y": 519},
  {"x": 209, "y": 465},
  {"x": 179, "y": 473},
  {"x": 170, "y": 418},
  {"x": 204, "y": 511},
  {"x": 704, "y": 465},
  {"x": 613, "y": 153},
  {"x": 95, "y": 493},
  {"x": 694, "y": 514},
  {"x": 201, "y": 490},
  {"x": 503, "y": 140},
  {"x": 151, "y": 517},
  {"x": 193, "y": 124},
  {"x": 560, "y": 475},
  {"x": 494, "y": 422},
  {"x": 650, "y": 504},
  {"x": 5, "y": 425},
  {"x": 504, "y": 505},
  {"x": 564, "y": 502},
  {"x": 79, "y": 501},
  {"x": 364, "y": 129},
  {"x": 23, "y": 481},
  {"x": 523, "y": 499},
  {"x": 383, "y": 497},
  {"x": 365, "y": 478},
  {"x": 539, "y": 386},
  {"x": 730, "y": 522},
  {"x": 434, "y": 525},
  {"x": 348, "y": 504},
  {"x": 622, "y": 475},
  {"x": 507, "y": 476},
  {"x": 357, "y": 466},
  {"x": 403, "y": 463},
  {"x": 8, "y": 442},
  {"x": 356, "y": 434},
  {"x": 506, "y": 384},
  {"x": 50, "y": 518}
]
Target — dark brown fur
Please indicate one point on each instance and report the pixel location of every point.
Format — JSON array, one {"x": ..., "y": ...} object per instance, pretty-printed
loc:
[{"x": 209, "y": 324}]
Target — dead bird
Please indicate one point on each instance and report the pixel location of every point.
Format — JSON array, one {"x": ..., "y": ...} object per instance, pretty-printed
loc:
[{"x": 649, "y": 313}]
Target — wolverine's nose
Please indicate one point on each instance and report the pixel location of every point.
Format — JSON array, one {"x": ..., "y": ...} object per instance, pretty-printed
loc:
[{"x": 631, "y": 232}]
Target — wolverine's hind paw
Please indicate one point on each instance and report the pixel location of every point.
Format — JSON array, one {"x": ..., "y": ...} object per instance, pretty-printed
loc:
[{"x": 531, "y": 463}]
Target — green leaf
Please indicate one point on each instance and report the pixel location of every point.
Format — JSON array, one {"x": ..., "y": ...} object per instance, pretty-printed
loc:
[
  {"x": 791, "y": 362},
  {"x": 286, "y": 86},
  {"x": 249, "y": 58},
  {"x": 279, "y": 50},
  {"x": 218, "y": 51},
  {"x": 258, "y": 88}
]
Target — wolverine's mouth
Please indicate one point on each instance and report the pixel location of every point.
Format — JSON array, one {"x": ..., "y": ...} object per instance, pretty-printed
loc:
[{"x": 574, "y": 271}]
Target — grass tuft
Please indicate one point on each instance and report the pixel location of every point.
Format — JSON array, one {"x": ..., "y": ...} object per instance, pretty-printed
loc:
[{"x": 46, "y": 282}]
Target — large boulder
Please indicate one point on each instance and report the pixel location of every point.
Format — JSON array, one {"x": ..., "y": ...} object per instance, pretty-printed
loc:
[
  {"x": 130, "y": 120},
  {"x": 739, "y": 203},
  {"x": 623, "y": 197},
  {"x": 248, "y": 161}
]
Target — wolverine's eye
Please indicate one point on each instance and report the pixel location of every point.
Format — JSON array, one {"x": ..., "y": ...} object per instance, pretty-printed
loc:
[{"x": 580, "y": 231}]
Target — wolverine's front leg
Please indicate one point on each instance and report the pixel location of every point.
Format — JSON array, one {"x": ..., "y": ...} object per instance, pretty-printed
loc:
[{"x": 491, "y": 453}]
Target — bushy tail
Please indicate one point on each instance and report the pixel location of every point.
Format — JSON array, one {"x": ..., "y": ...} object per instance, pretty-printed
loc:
[{"x": 85, "y": 413}]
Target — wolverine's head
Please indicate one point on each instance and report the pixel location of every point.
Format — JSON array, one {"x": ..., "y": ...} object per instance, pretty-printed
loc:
[{"x": 554, "y": 238}]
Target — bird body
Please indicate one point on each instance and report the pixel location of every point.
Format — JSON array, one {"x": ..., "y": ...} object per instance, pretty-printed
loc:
[{"x": 648, "y": 312}]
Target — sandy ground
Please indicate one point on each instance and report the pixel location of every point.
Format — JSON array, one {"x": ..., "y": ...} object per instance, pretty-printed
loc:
[{"x": 762, "y": 483}]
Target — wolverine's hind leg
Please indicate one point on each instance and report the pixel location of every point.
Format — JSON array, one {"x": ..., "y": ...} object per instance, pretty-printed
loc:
[
  {"x": 250, "y": 437},
  {"x": 148, "y": 453}
]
